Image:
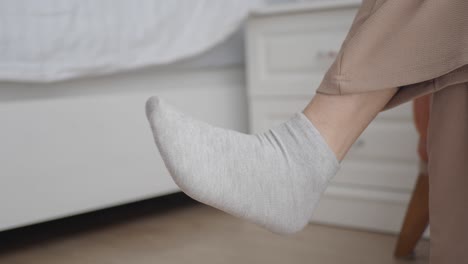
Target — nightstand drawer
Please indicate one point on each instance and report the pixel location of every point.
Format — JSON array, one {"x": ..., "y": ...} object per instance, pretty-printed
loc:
[
  {"x": 386, "y": 138},
  {"x": 391, "y": 141},
  {"x": 290, "y": 55},
  {"x": 377, "y": 174},
  {"x": 266, "y": 113}
]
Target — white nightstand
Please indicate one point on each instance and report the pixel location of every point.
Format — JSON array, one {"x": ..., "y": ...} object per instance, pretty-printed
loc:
[{"x": 289, "y": 48}]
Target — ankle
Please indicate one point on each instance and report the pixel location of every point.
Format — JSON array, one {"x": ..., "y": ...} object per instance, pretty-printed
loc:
[
  {"x": 342, "y": 119},
  {"x": 339, "y": 119},
  {"x": 337, "y": 141}
]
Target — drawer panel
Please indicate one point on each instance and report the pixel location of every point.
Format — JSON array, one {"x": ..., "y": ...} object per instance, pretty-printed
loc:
[
  {"x": 395, "y": 141},
  {"x": 299, "y": 53},
  {"x": 384, "y": 139},
  {"x": 266, "y": 113},
  {"x": 290, "y": 53},
  {"x": 388, "y": 175}
]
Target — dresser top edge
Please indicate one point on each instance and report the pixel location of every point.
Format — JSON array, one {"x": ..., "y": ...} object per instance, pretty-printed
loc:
[{"x": 304, "y": 7}]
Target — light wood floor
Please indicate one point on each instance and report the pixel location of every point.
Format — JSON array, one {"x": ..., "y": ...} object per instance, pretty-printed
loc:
[{"x": 189, "y": 233}]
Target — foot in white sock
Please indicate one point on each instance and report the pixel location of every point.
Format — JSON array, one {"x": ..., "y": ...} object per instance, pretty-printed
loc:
[{"x": 273, "y": 179}]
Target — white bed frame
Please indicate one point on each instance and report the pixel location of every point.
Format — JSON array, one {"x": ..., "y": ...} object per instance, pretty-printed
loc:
[{"x": 81, "y": 145}]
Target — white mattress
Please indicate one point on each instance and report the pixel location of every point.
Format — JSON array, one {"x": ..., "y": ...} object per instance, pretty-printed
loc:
[{"x": 54, "y": 40}]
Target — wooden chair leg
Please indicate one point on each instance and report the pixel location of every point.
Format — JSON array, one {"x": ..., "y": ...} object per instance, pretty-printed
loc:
[{"x": 416, "y": 219}]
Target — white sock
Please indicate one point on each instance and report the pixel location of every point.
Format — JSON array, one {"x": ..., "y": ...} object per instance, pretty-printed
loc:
[{"x": 273, "y": 179}]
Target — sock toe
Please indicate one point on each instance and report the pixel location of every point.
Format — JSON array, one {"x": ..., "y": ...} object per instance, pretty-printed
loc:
[{"x": 151, "y": 106}]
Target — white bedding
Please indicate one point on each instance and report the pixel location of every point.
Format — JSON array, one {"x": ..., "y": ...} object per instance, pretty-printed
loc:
[{"x": 52, "y": 40}]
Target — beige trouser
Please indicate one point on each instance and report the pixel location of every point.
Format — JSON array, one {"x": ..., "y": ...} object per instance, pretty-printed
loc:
[{"x": 448, "y": 175}]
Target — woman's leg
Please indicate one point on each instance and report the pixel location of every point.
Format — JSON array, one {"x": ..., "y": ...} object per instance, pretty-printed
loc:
[
  {"x": 341, "y": 119},
  {"x": 275, "y": 178}
]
